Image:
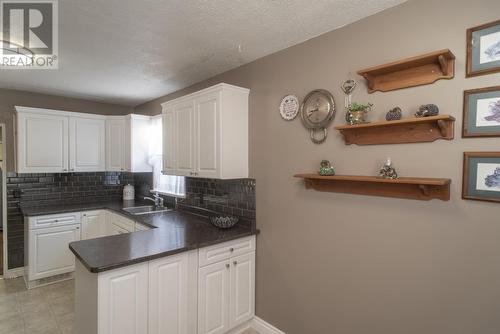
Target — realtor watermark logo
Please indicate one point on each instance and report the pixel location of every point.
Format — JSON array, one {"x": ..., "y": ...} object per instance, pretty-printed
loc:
[{"x": 29, "y": 36}]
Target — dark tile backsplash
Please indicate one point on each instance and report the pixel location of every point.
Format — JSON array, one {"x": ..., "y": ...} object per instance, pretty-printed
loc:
[{"x": 235, "y": 197}]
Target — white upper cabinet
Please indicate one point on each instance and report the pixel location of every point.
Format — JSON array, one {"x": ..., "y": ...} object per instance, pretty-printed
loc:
[
  {"x": 206, "y": 133},
  {"x": 87, "y": 144},
  {"x": 55, "y": 141},
  {"x": 184, "y": 140},
  {"x": 42, "y": 142},
  {"x": 115, "y": 144},
  {"x": 127, "y": 143}
]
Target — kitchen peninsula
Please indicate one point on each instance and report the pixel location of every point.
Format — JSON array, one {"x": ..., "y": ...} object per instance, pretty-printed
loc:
[{"x": 176, "y": 273}]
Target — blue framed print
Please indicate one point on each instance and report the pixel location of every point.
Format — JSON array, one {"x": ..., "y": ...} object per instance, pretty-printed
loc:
[
  {"x": 483, "y": 49},
  {"x": 481, "y": 178},
  {"x": 481, "y": 112}
]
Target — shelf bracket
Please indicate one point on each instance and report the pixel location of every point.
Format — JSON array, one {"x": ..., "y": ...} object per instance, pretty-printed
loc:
[
  {"x": 443, "y": 64},
  {"x": 425, "y": 190},
  {"x": 442, "y": 127}
]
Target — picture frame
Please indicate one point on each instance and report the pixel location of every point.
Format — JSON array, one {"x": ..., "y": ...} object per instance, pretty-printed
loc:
[
  {"x": 481, "y": 112},
  {"x": 483, "y": 49},
  {"x": 481, "y": 176}
]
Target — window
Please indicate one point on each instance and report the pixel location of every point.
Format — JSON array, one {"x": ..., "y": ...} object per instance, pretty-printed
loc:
[{"x": 164, "y": 184}]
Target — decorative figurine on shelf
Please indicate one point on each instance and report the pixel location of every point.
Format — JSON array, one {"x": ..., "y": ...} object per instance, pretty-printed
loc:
[
  {"x": 356, "y": 113},
  {"x": 427, "y": 110},
  {"x": 394, "y": 114},
  {"x": 387, "y": 171},
  {"x": 348, "y": 87},
  {"x": 326, "y": 168}
]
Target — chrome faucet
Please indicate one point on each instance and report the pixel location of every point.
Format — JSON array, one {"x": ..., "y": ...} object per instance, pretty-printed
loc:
[{"x": 157, "y": 199}]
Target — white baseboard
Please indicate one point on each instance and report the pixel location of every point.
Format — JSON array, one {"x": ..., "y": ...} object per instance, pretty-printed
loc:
[
  {"x": 13, "y": 273},
  {"x": 263, "y": 327},
  {"x": 241, "y": 328}
]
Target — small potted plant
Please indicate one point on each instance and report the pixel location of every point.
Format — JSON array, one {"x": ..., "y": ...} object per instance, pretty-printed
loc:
[{"x": 356, "y": 112}]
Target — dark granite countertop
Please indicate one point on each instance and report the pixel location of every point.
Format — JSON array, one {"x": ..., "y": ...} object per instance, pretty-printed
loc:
[{"x": 172, "y": 232}]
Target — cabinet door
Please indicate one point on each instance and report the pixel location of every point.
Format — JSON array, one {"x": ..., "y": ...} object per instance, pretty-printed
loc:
[
  {"x": 169, "y": 142},
  {"x": 207, "y": 134},
  {"x": 184, "y": 138},
  {"x": 49, "y": 252},
  {"x": 168, "y": 295},
  {"x": 242, "y": 289},
  {"x": 116, "y": 144},
  {"x": 123, "y": 300},
  {"x": 42, "y": 143},
  {"x": 93, "y": 224},
  {"x": 87, "y": 144},
  {"x": 213, "y": 298}
]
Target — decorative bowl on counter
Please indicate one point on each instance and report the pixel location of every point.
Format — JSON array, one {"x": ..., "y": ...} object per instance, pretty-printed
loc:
[{"x": 224, "y": 221}]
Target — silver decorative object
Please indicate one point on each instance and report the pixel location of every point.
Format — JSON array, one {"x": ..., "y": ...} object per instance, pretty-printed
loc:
[
  {"x": 224, "y": 221},
  {"x": 394, "y": 114},
  {"x": 348, "y": 87},
  {"x": 427, "y": 110},
  {"x": 387, "y": 171},
  {"x": 317, "y": 112}
]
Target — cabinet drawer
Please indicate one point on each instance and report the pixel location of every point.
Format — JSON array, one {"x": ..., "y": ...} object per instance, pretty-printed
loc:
[
  {"x": 224, "y": 251},
  {"x": 54, "y": 220}
]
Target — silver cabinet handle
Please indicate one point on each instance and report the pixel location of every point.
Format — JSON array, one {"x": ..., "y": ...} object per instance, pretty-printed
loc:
[
  {"x": 227, "y": 265},
  {"x": 65, "y": 170},
  {"x": 71, "y": 169}
]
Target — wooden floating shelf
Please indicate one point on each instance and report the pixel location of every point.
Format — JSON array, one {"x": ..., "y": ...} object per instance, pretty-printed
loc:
[
  {"x": 423, "y": 189},
  {"x": 408, "y": 130},
  {"x": 421, "y": 70}
]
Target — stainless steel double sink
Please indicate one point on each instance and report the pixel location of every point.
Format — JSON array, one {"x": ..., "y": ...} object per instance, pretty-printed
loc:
[{"x": 146, "y": 209}]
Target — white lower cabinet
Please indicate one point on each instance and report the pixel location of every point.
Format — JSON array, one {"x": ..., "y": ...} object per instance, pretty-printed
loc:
[
  {"x": 226, "y": 289},
  {"x": 93, "y": 224},
  {"x": 48, "y": 253},
  {"x": 242, "y": 289},
  {"x": 213, "y": 298},
  {"x": 123, "y": 300},
  {"x": 172, "y": 294}
]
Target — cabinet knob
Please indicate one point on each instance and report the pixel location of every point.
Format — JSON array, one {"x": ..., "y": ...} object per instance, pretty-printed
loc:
[
  {"x": 55, "y": 221},
  {"x": 71, "y": 169},
  {"x": 227, "y": 265},
  {"x": 77, "y": 228},
  {"x": 231, "y": 249},
  {"x": 65, "y": 170},
  {"x": 235, "y": 262}
]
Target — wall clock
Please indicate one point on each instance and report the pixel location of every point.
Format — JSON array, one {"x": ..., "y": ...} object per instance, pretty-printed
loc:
[
  {"x": 289, "y": 107},
  {"x": 317, "y": 112}
]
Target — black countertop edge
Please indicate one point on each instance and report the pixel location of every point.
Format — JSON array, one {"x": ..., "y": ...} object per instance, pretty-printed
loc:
[{"x": 171, "y": 233}]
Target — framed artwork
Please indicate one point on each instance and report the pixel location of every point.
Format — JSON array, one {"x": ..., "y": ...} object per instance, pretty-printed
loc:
[
  {"x": 483, "y": 49},
  {"x": 481, "y": 112},
  {"x": 481, "y": 179}
]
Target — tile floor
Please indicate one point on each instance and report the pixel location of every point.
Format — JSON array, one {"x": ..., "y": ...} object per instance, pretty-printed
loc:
[{"x": 45, "y": 310}]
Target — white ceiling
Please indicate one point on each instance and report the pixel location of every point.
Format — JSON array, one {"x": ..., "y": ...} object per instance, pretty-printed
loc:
[{"x": 131, "y": 51}]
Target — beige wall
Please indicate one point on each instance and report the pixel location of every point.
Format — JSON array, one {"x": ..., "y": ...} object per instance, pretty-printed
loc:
[
  {"x": 346, "y": 264},
  {"x": 10, "y": 98}
]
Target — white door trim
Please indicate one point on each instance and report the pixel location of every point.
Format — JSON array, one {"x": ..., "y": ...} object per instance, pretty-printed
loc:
[{"x": 4, "y": 200}]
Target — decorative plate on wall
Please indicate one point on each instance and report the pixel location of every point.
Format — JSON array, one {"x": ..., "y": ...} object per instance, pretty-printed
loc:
[{"x": 289, "y": 107}]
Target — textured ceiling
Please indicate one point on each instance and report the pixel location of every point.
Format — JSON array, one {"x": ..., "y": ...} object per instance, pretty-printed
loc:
[{"x": 128, "y": 52}]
